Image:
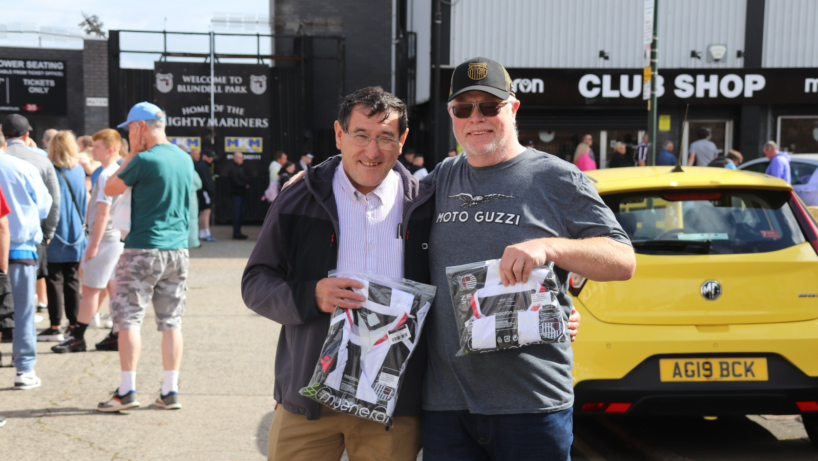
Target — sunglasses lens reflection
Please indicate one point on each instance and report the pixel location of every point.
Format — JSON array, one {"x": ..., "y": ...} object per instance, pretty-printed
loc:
[{"x": 487, "y": 108}]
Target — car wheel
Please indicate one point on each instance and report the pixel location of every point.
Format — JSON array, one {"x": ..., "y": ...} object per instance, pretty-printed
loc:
[{"x": 811, "y": 425}]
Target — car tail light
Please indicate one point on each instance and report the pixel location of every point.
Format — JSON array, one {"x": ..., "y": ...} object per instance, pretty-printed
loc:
[
  {"x": 575, "y": 283},
  {"x": 605, "y": 407},
  {"x": 805, "y": 220},
  {"x": 807, "y": 406}
]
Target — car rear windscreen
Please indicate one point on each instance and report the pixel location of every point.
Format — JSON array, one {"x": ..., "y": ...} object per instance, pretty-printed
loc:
[{"x": 709, "y": 221}]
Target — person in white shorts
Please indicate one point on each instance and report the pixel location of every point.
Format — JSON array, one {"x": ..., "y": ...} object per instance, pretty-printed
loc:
[{"x": 104, "y": 246}]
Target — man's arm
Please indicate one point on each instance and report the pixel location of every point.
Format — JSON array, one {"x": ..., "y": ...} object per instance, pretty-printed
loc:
[
  {"x": 103, "y": 211},
  {"x": 598, "y": 258},
  {"x": 115, "y": 184},
  {"x": 53, "y": 186},
  {"x": 691, "y": 159},
  {"x": 38, "y": 191},
  {"x": 5, "y": 244},
  {"x": 266, "y": 291}
]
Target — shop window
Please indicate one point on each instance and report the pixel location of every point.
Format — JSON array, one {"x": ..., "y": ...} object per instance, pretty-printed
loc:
[{"x": 798, "y": 135}]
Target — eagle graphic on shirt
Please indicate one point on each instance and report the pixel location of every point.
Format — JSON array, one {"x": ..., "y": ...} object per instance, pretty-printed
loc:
[{"x": 470, "y": 201}]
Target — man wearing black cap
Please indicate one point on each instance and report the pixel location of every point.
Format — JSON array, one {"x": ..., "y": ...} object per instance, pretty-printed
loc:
[
  {"x": 542, "y": 209},
  {"x": 16, "y": 129}
]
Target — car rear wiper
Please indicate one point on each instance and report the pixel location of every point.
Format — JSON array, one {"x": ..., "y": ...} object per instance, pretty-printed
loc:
[{"x": 700, "y": 245}]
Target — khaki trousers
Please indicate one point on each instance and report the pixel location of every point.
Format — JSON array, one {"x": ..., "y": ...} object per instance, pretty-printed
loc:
[{"x": 292, "y": 437}]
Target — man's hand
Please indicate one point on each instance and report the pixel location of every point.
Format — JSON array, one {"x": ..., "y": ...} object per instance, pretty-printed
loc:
[
  {"x": 91, "y": 252},
  {"x": 573, "y": 324},
  {"x": 332, "y": 292},
  {"x": 136, "y": 139},
  {"x": 518, "y": 261},
  {"x": 297, "y": 177}
]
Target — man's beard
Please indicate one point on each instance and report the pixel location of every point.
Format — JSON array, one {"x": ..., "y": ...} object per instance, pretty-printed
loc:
[{"x": 497, "y": 148}]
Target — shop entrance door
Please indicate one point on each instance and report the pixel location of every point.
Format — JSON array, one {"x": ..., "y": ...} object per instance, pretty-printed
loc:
[
  {"x": 563, "y": 143},
  {"x": 721, "y": 133}
]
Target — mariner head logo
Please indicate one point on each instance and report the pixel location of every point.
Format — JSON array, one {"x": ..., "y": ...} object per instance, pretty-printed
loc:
[
  {"x": 164, "y": 82},
  {"x": 478, "y": 70},
  {"x": 470, "y": 201},
  {"x": 258, "y": 84}
]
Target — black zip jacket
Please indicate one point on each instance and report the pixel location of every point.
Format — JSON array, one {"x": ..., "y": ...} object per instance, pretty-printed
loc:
[
  {"x": 206, "y": 174},
  {"x": 297, "y": 247},
  {"x": 238, "y": 180}
]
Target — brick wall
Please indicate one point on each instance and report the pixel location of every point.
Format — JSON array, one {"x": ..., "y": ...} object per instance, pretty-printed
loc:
[{"x": 95, "y": 85}]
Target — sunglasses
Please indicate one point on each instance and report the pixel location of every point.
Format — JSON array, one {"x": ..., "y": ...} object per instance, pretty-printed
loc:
[{"x": 487, "y": 108}]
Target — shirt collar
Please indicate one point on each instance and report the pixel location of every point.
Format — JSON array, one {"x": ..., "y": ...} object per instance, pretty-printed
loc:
[{"x": 386, "y": 191}]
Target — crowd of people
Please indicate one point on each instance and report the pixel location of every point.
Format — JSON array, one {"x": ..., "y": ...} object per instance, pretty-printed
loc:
[
  {"x": 94, "y": 217},
  {"x": 702, "y": 152}
]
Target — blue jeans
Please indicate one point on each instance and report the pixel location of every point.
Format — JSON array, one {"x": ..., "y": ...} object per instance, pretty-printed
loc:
[
  {"x": 24, "y": 291},
  {"x": 460, "y": 435},
  {"x": 238, "y": 212}
]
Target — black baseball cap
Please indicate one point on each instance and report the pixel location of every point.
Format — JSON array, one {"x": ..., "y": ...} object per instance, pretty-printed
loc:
[
  {"x": 481, "y": 74},
  {"x": 15, "y": 125},
  {"x": 209, "y": 153}
]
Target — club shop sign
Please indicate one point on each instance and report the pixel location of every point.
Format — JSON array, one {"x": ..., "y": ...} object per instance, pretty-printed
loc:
[{"x": 695, "y": 86}]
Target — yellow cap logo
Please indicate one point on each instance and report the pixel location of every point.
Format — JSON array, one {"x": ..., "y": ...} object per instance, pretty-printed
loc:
[{"x": 478, "y": 71}]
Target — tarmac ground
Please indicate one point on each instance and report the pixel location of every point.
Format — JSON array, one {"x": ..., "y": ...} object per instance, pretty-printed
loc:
[{"x": 226, "y": 381}]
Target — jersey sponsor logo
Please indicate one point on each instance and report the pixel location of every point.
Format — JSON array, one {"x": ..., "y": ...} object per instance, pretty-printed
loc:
[{"x": 470, "y": 201}]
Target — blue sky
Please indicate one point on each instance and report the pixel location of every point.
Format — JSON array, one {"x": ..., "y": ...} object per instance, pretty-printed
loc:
[{"x": 171, "y": 15}]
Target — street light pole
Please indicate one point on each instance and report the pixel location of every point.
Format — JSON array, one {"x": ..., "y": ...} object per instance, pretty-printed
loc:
[
  {"x": 436, "y": 86},
  {"x": 654, "y": 74}
]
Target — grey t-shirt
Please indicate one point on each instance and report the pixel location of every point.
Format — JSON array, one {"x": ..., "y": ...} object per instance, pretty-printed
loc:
[
  {"x": 98, "y": 196},
  {"x": 480, "y": 211},
  {"x": 705, "y": 151}
]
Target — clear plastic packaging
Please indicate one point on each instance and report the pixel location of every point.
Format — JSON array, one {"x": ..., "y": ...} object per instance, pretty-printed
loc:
[
  {"x": 491, "y": 317},
  {"x": 364, "y": 357}
]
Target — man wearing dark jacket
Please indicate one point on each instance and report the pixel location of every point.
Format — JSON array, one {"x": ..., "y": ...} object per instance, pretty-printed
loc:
[
  {"x": 206, "y": 194},
  {"x": 238, "y": 188},
  {"x": 360, "y": 211}
]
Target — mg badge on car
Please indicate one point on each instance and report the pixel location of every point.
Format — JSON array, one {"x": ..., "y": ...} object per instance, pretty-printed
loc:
[{"x": 711, "y": 290}]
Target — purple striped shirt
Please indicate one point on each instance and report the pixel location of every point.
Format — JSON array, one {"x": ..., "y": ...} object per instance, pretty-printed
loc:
[{"x": 369, "y": 226}]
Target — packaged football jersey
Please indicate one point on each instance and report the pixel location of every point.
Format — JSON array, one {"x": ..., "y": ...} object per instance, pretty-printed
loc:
[
  {"x": 492, "y": 317},
  {"x": 364, "y": 357}
]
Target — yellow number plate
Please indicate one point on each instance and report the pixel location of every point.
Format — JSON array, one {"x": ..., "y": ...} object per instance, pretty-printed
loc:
[{"x": 713, "y": 369}]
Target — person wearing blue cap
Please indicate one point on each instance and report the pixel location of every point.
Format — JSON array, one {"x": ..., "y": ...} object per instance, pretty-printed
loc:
[{"x": 154, "y": 265}]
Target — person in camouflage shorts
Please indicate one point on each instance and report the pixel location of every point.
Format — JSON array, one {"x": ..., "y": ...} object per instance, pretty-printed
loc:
[
  {"x": 154, "y": 265},
  {"x": 151, "y": 275}
]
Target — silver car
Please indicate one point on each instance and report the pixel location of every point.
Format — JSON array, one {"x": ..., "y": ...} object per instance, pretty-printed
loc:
[{"x": 803, "y": 172}]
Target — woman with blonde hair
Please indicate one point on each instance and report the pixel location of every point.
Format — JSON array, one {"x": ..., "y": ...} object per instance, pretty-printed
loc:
[
  {"x": 66, "y": 248},
  {"x": 582, "y": 158}
]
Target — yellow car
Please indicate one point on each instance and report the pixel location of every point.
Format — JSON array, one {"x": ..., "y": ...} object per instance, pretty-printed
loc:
[{"x": 721, "y": 316}]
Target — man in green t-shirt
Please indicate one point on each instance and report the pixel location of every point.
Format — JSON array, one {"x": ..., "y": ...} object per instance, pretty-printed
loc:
[{"x": 154, "y": 264}]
